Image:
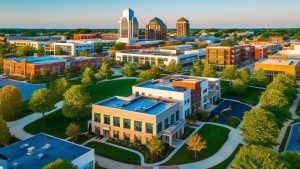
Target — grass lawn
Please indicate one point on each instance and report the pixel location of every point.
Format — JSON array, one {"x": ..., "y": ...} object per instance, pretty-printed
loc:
[
  {"x": 215, "y": 137},
  {"x": 285, "y": 138},
  {"x": 56, "y": 123},
  {"x": 115, "y": 153},
  {"x": 224, "y": 164},
  {"x": 251, "y": 96}
]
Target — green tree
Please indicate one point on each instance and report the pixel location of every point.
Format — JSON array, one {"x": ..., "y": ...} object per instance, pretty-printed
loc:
[
  {"x": 228, "y": 43},
  {"x": 245, "y": 75},
  {"x": 60, "y": 164},
  {"x": 119, "y": 46},
  {"x": 260, "y": 78},
  {"x": 88, "y": 76},
  {"x": 42, "y": 101},
  {"x": 98, "y": 48},
  {"x": 273, "y": 98},
  {"x": 76, "y": 102},
  {"x": 59, "y": 51},
  {"x": 41, "y": 51},
  {"x": 128, "y": 70},
  {"x": 173, "y": 67},
  {"x": 259, "y": 127},
  {"x": 230, "y": 73},
  {"x": 43, "y": 72},
  {"x": 105, "y": 72},
  {"x": 152, "y": 73},
  {"x": 238, "y": 86},
  {"x": 10, "y": 101},
  {"x": 4, "y": 132},
  {"x": 252, "y": 157},
  {"x": 84, "y": 53},
  {"x": 209, "y": 71},
  {"x": 155, "y": 146},
  {"x": 73, "y": 130},
  {"x": 197, "y": 68},
  {"x": 25, "y": 51},
  {"x": 292, "y": 159},
  {"x": 60, "y": 86},
  {"x": 196, "y": 143}
]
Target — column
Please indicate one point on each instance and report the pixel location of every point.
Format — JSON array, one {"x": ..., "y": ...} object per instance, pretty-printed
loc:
[{"x": 170, "y": 140}]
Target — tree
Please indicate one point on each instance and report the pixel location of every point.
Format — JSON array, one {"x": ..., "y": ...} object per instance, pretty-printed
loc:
[
  {"x": 76, "y": 102},
  {"x": 260, "y": 78},
  {"x": 60, "y": 86},
  {"x": 228, "y": 43},
  {"x": 155, "y": 146},
  {"x": 60, "y": 164},
  {"x": 245, "y": 75},
  {"x": 257, "y": 157},
  {"x": 119, "y": 46},
  {"x": 196, "y": 143},
  {"x": 42, "y": 101},
  {"x": 292, "y": 159},
  {"x": 60, "y": 51},
  {"x": 10, "y": 101},
  {"x": 173, "y": 67},
  {"x": 98, "y": 48},
  {"x": 209, "y": 71},
  {"x": 152, "y": 73},
  {"x": 197, "y": 68},
  {"x": 87, "y": 76},
  {"x": 25, "y": 51},
  {"x": 238, "y": 86},
  {"x": 192, "y": 118},
  {"x": 128, "y": 70},
  {"x": 84, "y": 53},
  {"x": 41, "y": 51},
  {"x": 4, "y": 132},
  {"x": 230, "y": 73},
  {"x": 73, "y": 131},
  {"x": 105, "y": 72},
  {"x": 43, "y": 72},
  {"x": 259, "y": 127},
  {"x": 273, "y": 98}
]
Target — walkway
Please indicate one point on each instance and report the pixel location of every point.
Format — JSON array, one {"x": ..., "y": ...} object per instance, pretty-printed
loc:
[{"x": 16, "y": 127}]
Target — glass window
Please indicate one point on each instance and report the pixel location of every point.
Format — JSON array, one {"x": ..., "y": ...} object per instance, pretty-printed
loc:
[
  {"x": 172, "y": 119},
  {"x": 97, "y": 117},
  {"x": 137, "y": 126},
  {"x": 116, "y": 121},
  {"x": 177, "y": 115},
  {"x": 159, "y": 127},
  {"x": 126, "y": 123},
  {"x": 166, "y": 123},
  {"x": 116, "y": 134},
  {"x": 149, "y": 128},
  {"x": 126, "y": 136},
  {"x": 107, "y": 119}
]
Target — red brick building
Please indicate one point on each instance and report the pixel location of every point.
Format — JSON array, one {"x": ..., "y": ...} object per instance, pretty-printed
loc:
[
  {"x": 86, "y": 36},
  {"x": 260, "y": 52}
]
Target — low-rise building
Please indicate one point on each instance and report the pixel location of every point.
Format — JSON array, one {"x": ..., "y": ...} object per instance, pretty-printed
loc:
[
  {"x": 293, "y": 50},
  {"x": 276, "y": 39},
  {"x": 33, "y": 43},
  {"x": 272, "y": 67},
  {"x": 86, "y": 36},
  {"x": 42, "y": 149},
  {"x": 261, "y": 52},
  {"x": 30, "y": 66}
]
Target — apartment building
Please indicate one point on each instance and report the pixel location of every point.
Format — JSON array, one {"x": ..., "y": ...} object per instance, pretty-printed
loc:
[
  {"x": 182, "y": 27},
  {"x": 261, "y": 52},
  {"x": 33, "y": 43},
  {"x": 137, "y": 119},
  {"x": 156, "y": 30},
  {"x": 30, "y": 66},
  {"x": 238, "y": 56},
  {"x": 86, "y": 36}
]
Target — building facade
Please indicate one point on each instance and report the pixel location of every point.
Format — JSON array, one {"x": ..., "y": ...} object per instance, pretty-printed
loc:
[
  {"x": 261, "y": 52},
  {"x": 238, "y": 56},
  {"x": 128, "y": 27},
  {"x": 32, "y": 43},
  {"x": 86, "y": 36},
  {"x": 156, "y": 30},
  {"x": 182, "y": 27}
]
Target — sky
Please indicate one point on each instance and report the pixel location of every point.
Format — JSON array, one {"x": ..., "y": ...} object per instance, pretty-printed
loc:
[{"x": 100, "y": 14}]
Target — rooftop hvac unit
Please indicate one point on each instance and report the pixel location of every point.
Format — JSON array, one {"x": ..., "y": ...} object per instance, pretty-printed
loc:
[
  {"x": 46, "y": 146},
  {"x": 40, "y": 156},
  {"x": 30, "y": 150},
  {"x": 24, "y": 145}
]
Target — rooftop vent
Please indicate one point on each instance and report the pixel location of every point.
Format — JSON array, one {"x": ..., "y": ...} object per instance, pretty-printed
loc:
[
  {"x": 24, "y": 145},
  {"x": 30, "y": 150},
  {"x": 40, "y": 156},
  {"x": 46, "y": 146}
]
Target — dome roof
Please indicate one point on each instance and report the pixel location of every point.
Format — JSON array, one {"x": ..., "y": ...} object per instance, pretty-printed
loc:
[
  {"x": 156, "y": 20},
  {"x": 182, "y": 19}
]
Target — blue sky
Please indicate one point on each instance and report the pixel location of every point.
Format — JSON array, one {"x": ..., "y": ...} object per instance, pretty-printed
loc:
[{"x": 106, "y": 13}]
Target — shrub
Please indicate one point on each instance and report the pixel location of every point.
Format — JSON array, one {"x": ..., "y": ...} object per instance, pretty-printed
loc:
[
  {"x": 202, "y": 115},
  {"x": 233, "y": 121}
]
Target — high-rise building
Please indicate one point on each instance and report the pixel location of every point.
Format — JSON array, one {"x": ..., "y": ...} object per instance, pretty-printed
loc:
[
  {"x": 183, "y": 27},
  {"x": 155, "y": 30},
  {"x": 128, "y": 27}
]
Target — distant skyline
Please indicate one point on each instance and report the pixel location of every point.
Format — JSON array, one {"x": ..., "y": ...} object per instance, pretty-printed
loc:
[{"x": 103, "y": 14}]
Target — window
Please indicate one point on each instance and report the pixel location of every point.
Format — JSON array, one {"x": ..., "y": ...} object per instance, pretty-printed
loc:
[
  {"x": 166, "y": 123},
  {"x": 126, "y": 123},
  {"x": 97, "y": 117},
  {"x": 116, "y": 121},
  {"x": 177, "y": 115},
  {"x": 137, "y": 126},
  {"x": 107, "y": 119},
  {"x": 159, "y": 127},
  {"x": 172, "y": 119},
  {"x": 97, "y": 130},
  {"x": 116, "y": 134},
  {"x": 126, "y": 136},
  {"x": 205, "y": 90},
  {"x": 149, "y": 128}
]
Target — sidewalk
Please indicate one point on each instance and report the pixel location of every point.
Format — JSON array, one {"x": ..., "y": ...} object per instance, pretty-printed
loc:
[{"x": 16, "y": 127}]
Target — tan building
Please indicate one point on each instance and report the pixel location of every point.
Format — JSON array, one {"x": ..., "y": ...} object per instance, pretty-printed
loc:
[
  {"x": 182, "y": 27},
  {"x": 33, "y": 43},
  {"x": 155, "y": 30},
  {"x": 137, "y": 119}
]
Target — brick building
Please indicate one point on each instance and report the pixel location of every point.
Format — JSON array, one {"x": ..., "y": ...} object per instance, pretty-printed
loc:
[
  {"x": 156, "y": 30},
  {"x": 86, "y": 36}
]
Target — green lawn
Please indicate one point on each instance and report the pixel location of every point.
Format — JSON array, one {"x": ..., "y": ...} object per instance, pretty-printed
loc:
[
  {"x": 114, "y": 153},
  {"x": 215, "y": 137},
  {"x": 56, "y": 123},
  {"x": 285, "y": 138},
  {"x": 224, "y": 164},
  {"x": 251, "y": 96}
]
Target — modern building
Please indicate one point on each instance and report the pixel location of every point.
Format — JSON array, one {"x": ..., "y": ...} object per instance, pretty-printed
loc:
[
  {"x": 272, "y": 67},
  {"x": 128, "y": 27},
  {"x": 156, "y": 29},
  {"x": 30, "y": 66},
  {"x": 276, "y": 39},
  {"x": 238, "y": 56},
  {"x": 86, "y": 36},
  {"x": 41, "y": 149},
  {"x": 182, "y": 54},
  {"x": 33, "y": 43},
  {"x": 33, "y": 38},
  {"x": 293, "y": 50},
  {"x": 272, "y": 47},
  {"x": 109, "y": 36},
  {"x": 182, "y": 27},
  {"x": 261, "y": 52}
]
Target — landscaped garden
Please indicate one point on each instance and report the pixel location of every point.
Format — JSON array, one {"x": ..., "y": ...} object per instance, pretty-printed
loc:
[
  {"x": 224, "y": 164},
  {"x": 115, "y": 153},
  {"x": 215, "y": 137}
]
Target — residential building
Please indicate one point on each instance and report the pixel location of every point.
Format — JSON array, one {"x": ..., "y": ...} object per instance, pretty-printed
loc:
[
  {"x": 238, "y": 56},
  {"x": 30, "y": 66},
  {"x": 86, "y": 36},
  {"x": 272, "y": 67},
  {"x": 41, "y": 149},
  {"x": 137, "y": 119},
  {"x": 33, "y": 43},
  {"x": 156, "y": 30},
  {"x": 276, "y": 39},
  {"x": 261, "y": 52},
  {"x": 293, "y": 50},
  {"x": 182, "y": 27},
  {"x": 272, "y": 47},
  {"x": 128, "y": 27}
]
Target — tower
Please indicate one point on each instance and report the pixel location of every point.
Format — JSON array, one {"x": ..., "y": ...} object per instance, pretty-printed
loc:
[
  {"x": 155, "y": 30},
  {"x": 182, "y": 27},
  {"x": 128, "y": 27}
]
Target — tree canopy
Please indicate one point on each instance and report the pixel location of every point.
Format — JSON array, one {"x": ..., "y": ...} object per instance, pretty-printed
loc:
[
  {"x": 209, "y": 71},
  {"x": 155, "y": 146},
  {"x": 245, "y": 75},
  {"x": 10, "y": 101},
  {"x": 4, "y": 132},
  {"x": 60, "y": 164},
  {"x": 60, "y": 86},
  {"x": 173, "y": 67},
  {"x": 128, "y": 70},
  {"x": 105, "y": 71},
  {"x": 196, "y": 143},
  {"x": 197, "y": 68},
  {"x": 230, "y": 73},
  {"x": 73, "y": 130},
  {"x": 152, "y": 73},
  {"x": 260, "y": 78},
  {"x": 88, "y": 76}
]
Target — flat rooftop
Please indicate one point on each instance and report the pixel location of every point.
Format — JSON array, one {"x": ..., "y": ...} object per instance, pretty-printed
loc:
[
  {"x": 279, "y": 62},
  {"x": 139, "y": 104},
  {"x": 161, "y": 85},
  {"x": 48, "y": 59},
  {"x": 59, "y": 149}
]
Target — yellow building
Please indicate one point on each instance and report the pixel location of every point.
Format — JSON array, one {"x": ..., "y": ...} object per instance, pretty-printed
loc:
[{"x": 275, "y": 66}]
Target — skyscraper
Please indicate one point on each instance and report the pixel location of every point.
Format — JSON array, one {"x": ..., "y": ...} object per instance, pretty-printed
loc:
[
  {"x": 128, "y": 27},
  {"x": 155, "y": 30},
  {"x": 183, "y": 27}
]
